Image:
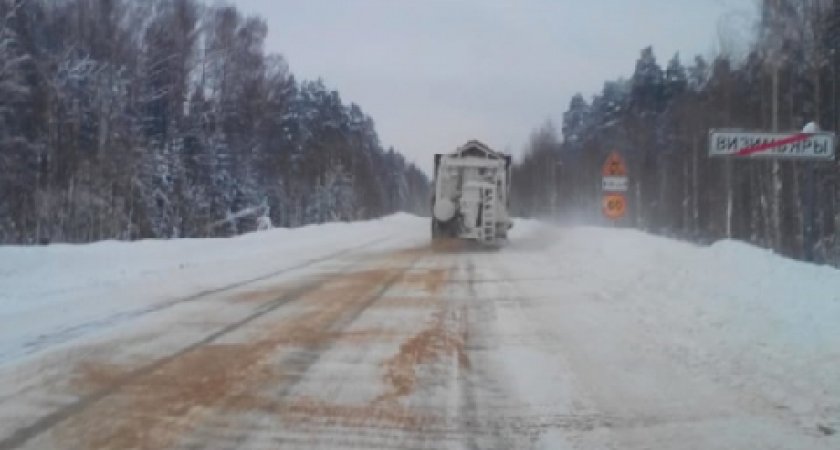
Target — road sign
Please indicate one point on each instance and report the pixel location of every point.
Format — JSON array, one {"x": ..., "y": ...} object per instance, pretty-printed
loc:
[
  {"x": 614, "y": 166},
  {"x": 813, "y": 146},
  {"x": 614, "y": 184},
  {"x": 614, "y": 206},
  {"x": 614, "y": 173}
]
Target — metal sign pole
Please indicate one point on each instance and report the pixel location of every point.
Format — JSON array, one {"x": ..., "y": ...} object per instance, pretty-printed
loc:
[{"x": 809, "y": 215}]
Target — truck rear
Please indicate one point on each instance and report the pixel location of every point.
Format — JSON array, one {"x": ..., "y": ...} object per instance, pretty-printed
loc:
[{"x": 471, "y": 194}]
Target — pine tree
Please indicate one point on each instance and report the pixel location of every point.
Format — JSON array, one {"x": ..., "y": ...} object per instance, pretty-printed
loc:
[{"x": 166, "y": 118}]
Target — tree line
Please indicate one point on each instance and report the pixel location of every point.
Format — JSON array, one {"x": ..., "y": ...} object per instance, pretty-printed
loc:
[
  {"x": 123, "y": 119},
  {"x": 659, "y": 120}
]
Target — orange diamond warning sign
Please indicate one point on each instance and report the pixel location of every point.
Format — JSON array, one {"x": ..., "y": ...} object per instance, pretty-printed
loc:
[{"x": 614, "y": 166}]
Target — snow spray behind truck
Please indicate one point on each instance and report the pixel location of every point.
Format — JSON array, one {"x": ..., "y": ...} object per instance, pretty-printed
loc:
[{"x": 471, "y": 194}]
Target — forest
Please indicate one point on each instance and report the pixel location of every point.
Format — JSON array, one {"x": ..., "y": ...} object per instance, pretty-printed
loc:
[
  {"x": 124, "y": 119},
  {"x": 659, "y": 119}
]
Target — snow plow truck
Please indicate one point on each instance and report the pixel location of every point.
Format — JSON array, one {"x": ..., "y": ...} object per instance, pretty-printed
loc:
[{"x": 471, "y": 195}]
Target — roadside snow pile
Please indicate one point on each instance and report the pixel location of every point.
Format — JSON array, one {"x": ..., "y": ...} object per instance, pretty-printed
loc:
[
  {"x": 753, "y": 319},
  {"x": 53, "y": 288}
]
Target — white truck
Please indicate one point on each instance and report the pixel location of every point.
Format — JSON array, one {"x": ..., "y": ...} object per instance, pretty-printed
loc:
[{"x": 471, "y": 194}]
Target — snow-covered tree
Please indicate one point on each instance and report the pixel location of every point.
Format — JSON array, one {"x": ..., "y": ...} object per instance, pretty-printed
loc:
[
  {"x": 676, "y": 79},
  {"x": 165, "y": 118},
  {"x": 660, "y": 121}
]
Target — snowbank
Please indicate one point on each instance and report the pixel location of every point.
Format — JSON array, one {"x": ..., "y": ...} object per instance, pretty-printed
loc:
[
  {"x": 749, "y": 318},
  {"x": 59, "y": 291}
]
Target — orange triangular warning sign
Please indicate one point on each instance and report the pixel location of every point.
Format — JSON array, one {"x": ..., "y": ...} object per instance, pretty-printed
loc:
[{"x": 614, "y": 166}]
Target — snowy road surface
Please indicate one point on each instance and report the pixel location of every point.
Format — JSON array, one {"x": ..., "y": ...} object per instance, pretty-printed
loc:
[{"x": 362, "y": 336}]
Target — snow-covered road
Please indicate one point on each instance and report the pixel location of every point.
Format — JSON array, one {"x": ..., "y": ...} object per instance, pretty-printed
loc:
[{"x": 363, "y": 336}]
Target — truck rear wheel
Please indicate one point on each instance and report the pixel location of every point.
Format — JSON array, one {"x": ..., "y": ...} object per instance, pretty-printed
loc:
[{"x": 443, "y": 230}]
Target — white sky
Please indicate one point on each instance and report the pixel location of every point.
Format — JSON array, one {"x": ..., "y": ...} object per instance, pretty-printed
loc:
[{"x": 436, "y": 73}]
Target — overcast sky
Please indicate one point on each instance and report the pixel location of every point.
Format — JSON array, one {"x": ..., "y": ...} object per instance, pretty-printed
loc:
[{"x": 436, "y": 73}]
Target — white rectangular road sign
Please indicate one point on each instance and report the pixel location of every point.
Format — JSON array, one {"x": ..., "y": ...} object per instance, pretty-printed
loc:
[
  {"x": 615, "y": 184},
  {"x": 771, "y": 145}
]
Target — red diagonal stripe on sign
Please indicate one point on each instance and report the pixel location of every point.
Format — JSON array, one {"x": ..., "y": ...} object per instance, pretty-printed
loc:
[{"x": 768, "y": 145}]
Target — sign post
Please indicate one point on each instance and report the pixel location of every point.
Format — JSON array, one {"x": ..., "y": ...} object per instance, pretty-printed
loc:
[
  {"x": 614, "y": 184},
  {"x": 809, "y": 146}
]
